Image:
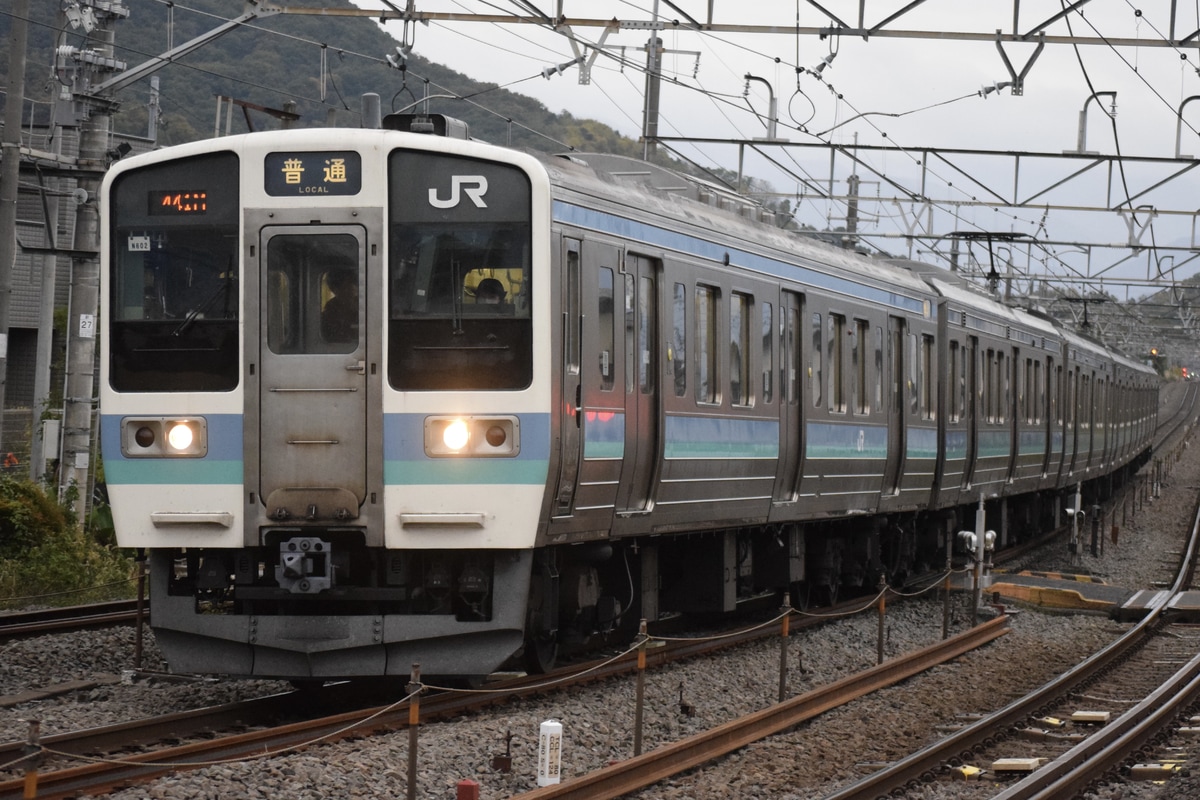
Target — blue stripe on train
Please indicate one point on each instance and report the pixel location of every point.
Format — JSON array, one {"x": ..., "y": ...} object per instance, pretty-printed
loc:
[
  {"x": 405, "y": 462},
  {"x": 221, "y": 465},
  {"x": 404, "y": 456}
]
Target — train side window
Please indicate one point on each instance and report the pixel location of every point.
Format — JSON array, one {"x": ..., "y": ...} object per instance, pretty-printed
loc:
[
  {"x": 1055, "y": 407},
  {"x": 1025, "y": 391},
  {"x": 857, "y": 388},
  {"x": 1004, "y": 365},
  {"x": 706, "y": 345},
  {"x": 1039, "y": 397},
  {"x": 630, "y": 321},
  {"x": 790, "y": 357},
  {"x": 1073, "y": 406},
  {"x": 878, "y": 369},
  {"x": 1089, "y": 400},
  {"x": 997, "y": 386},
  {"x": 927, "y": 377},
  {"x": 954, "y": 410},
  {"x": 989, "y": 372},
  {"x": 815, "y": 372},
  {"x": 646, "y": 336},
  {"x": 965, "y": 374},
  {"x": 861, "y": 393},
  {"x": 678, "y": 352},
  {"x": 768, "y": 353},
  {"x": 571, "y": 343},
  {"x": 837, "y": 362},
  {"x": 914, "y": 375},
  {"x": 606, "y": 320},
  {"x": 739, "y": 350}
]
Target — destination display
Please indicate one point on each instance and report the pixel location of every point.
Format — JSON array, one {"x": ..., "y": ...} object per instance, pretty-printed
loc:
[{"x": 177, "y": 203}]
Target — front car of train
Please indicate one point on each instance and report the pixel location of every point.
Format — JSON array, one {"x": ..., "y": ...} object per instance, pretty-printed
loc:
[{"x": 325, "y": 399}]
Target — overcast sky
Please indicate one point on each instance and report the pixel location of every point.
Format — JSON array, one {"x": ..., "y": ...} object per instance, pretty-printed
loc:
[{"x": 899, "y": 92}]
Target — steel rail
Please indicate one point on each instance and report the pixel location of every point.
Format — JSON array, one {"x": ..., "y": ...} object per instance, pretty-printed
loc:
[
  {"x": 181, "y": 724},
  {"x": 1082, "y": 764},
  {"x": 1074, "y": 770},
  {"x": 106, "y": 775},
  {"x": 926, "y": 761},
  {"x": 1179, "y": 419},
  {"x": 671, "y": 759},
  {"x": 94, "y": 615},
  {"x": 97, "y": 777}
]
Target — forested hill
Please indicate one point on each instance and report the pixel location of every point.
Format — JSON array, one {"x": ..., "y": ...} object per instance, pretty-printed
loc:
[{"x": 278, "y": 59}]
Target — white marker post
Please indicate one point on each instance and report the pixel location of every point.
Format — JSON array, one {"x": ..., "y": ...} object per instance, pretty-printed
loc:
[{"x": 549, "y": 753}]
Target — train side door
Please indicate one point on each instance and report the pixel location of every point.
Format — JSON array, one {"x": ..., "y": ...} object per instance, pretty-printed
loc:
[
  {"x": 312, "y": 399},
  {"x": 791, "y": 427},
  {"x": 601, "y": 382},
  {"x": 897, "y": 377},
  {"x": 642, "y": 433},
  {"x": 570, "y": 404}
]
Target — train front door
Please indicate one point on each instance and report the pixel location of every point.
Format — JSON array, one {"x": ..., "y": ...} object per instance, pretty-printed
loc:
[
  {"x": 312, "y": 398},
  {"x": 642, "y": 434}
]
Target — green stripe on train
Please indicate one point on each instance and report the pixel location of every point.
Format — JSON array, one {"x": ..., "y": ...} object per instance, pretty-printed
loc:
[
  {"x": 465, "y": 471},
  {"x": 167, "y": 471}
]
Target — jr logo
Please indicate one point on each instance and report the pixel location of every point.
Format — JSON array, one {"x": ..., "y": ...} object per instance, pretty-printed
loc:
[{"x": 473, "y": 186}]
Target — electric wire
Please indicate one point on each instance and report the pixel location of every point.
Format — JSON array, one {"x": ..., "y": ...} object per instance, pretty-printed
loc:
[{"x": 623, "y": 63}]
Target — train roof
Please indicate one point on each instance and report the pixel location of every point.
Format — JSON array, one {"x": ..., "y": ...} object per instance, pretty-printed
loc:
[
  {"x": 954, "y": 287},
  {"x": 713, "y": 209}
]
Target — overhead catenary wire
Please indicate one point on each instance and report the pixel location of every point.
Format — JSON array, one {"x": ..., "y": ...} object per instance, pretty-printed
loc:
[
  {"x": 624, "y": 62},
  {"x": 618, "y": 61}
]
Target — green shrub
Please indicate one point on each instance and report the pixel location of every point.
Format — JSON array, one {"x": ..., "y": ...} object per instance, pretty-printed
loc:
[
  {"x": 46, "y": 559},
  {"x": 27, "y": 516}
]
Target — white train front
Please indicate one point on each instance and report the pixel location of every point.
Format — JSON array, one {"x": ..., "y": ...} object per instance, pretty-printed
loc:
[
  {"x": 373, "y": 398},
  {"x": 349, "y": 487}
]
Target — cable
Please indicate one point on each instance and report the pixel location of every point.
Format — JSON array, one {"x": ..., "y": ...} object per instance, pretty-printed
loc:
[
  {"x": 1112, "y": 117},
  {"x": 620, "y": 62}
]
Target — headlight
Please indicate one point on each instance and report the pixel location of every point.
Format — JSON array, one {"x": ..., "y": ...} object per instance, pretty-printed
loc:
[
  {"x": 180, "y": 436},
  {"x": 455, "y": 435},
  {"x": 472, "y": 437},
  {"x": 164, "y": 437}
]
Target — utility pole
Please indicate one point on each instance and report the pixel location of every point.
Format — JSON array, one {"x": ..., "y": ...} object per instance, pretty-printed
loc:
[
  {"x": 852, "y": 211},
  {"x": 653, "y": 84},
  {"x": 653, "y": 77},
  {"x": 78, "y": 404},
  {"x": 10, "y": 170},
  {"x": 94, "y": 104}
]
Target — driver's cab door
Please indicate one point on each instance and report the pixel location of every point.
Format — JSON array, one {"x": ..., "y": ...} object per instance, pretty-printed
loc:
[{"x": 312, "y": 402}]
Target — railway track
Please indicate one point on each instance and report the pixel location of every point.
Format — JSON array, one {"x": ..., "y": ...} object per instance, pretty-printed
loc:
[
  {"x": 20, "y": 624},
  {"x": 64, "y": 780},
  {"x": 1176, "y": 423},
  {"x": 1154, "y": 655}
]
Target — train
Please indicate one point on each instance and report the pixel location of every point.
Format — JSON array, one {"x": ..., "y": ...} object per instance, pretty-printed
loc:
[{"x": 389, "y": 396}]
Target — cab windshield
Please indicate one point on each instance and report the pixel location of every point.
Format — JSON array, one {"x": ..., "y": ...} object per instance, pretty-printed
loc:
[
  {"x": 459, "y": 274},
  {"x": 173, "y": 277}
]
